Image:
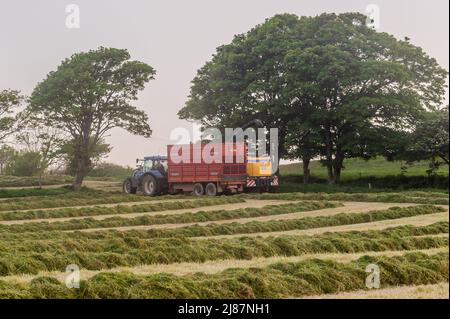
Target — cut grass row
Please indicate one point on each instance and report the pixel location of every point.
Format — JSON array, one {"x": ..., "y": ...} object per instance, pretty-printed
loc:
[
  {"x": 31, "y": 257},
  {"x": 119, "y": 209},
  {"x": 86, "y": 198},
  {"x": 182, "y": 218},
  {"x": 14, "y": 193},
  {"x": 79, "y": 242},
  {"x": 93, "y": 197},
  {"x": 309, "y": 277},
  {"x": 411, "y": 197},
  {"x": 16, "y": 181},
  {"x": 227, "y": 228}
]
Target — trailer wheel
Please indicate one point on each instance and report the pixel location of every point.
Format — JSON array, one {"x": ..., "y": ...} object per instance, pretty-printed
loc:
[
  {"x": 150, "y": 186},
  {"x": 198, "y": 189},
  {"x": 274, "y": 189},
  {"x": 211, "y": 189},
  {"x": 127, "y": 187}
]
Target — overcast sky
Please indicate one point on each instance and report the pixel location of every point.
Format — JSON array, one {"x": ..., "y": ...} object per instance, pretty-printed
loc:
[{"x": 176, "y": 38}]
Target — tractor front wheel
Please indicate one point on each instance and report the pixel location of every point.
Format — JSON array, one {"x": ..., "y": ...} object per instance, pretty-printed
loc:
[
  {"x": 150, "y": 186},
  {"x": 127, "y": 187}
]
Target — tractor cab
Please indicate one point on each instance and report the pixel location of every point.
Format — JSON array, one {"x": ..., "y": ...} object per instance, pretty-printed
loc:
[
  {"x": 150, "y": 163},
  {"x": 154, "y": 163}
]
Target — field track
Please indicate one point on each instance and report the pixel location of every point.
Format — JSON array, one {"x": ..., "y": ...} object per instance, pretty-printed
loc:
[{"x": 111, "y": 238}]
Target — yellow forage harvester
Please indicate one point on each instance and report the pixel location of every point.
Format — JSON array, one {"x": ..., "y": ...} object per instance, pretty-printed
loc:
[{"x": 259, "y": 166}]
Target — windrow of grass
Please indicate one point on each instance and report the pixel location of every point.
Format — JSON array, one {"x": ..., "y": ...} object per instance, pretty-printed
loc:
[
  {"x": 83, "y": 198},
  {"x": 426, "y": 194},
  {"x": 136, "y": 240},
  {"x": 411, "y": 197},
  {"x": 14, "y": 193},
  {"x": 16, "y": 181},
  {"x": 309, "y": 277},
  {"x": 293, "y": 184},
  {"x": 30, "y": 257},
  {"x": 228, "y": 228},
  {"x": 119, "y": 209}
]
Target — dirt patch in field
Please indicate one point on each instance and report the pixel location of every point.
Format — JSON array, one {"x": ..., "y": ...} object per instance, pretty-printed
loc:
[{"x": 437, "y": 291}]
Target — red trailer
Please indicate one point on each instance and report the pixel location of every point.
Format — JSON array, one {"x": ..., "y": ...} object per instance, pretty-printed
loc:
[{"x": 207, "y": 168}]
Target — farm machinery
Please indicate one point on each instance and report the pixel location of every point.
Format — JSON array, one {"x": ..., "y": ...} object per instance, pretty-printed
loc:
[
  {"x": 149, "y": 177},
  {"x": 181, "y": 172},
  {"x": 226, "y": 168}
]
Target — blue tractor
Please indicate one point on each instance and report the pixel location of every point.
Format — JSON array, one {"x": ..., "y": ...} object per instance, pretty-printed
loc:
[{"x": 150, "y": 177}]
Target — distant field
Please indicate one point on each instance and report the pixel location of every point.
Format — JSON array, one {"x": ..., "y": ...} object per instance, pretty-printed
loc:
[{"x": 358, "y": 168}]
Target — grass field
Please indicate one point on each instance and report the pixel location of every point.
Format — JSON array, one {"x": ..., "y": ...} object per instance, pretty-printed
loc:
[{"x": 285, "y": 245}]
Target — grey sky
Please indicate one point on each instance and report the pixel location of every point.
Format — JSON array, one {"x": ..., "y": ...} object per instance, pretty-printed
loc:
[{"x": 176, "y": 38}]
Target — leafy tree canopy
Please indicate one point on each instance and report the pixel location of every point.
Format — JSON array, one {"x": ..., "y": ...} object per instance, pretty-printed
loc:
[
  {"x": 328, "y": 76},
  {"x": 11, "y": 120},
  {"x": 89, "y": 94}
]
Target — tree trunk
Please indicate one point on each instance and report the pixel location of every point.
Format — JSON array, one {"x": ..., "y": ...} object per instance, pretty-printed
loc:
[
  {"x": 338, "y": 163},
  {"x": 306, "y": 172},
  {"x": 81, "y": 170},
  {"x": 78, "y": 181},
  {"x": 40, "y": 180},
  {"x": 329, "y": 156}
]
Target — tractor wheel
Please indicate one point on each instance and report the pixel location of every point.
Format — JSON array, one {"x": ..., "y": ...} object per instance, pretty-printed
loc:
[
  {"x": 127, "y": 187},
  {"x": 198, "y": 190},
  {"x": 211, "y": 189},
  {"x": 150, "y": 186}
]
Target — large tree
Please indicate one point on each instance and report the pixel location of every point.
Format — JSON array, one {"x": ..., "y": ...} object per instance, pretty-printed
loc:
[
  {"x": 339, "y": 79},
  {"x": 244, "y": 81},
  {"x": 89, "y": 94}
]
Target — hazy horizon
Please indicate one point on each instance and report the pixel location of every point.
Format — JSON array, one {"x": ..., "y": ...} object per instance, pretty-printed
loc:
[{"x": 176, "y": 38}]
